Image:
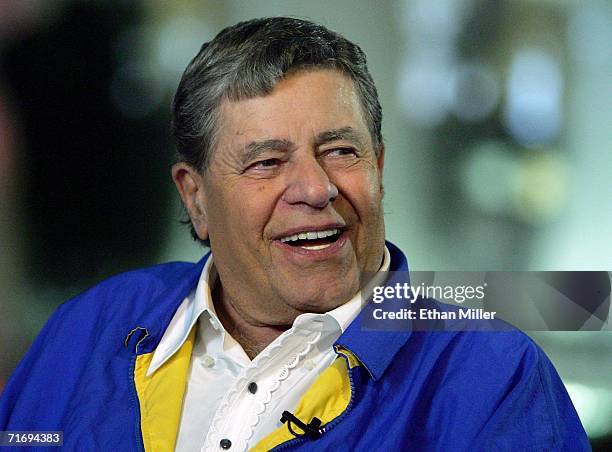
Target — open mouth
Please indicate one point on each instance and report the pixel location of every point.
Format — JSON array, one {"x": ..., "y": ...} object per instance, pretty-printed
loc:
[{"x": 313, "y": 240}]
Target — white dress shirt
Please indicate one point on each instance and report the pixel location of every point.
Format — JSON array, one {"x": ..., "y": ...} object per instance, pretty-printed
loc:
[{"x": 231, "y": 400}]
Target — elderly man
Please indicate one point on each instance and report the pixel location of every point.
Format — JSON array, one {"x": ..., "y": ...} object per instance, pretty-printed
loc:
[{"x": 260, "y": 344}]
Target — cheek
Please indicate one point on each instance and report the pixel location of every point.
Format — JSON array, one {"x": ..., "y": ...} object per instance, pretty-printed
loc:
[
  {"x": 248, "y": 209},
  {"x": 219, "y": 214},
  {"x": 363, "y": 191}
]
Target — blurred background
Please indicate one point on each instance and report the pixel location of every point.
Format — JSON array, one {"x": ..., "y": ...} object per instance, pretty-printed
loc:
[{"x": 498, "y": 120}]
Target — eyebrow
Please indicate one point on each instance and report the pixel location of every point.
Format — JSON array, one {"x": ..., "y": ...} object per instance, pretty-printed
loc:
[
  {"x": 342, "y": 134},
  {"x": 255, "y": 148}
]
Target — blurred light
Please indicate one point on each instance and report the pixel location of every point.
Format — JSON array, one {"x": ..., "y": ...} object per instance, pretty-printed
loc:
[
  {"x": 540, "y": 187},
  {"x": 425, "y": 83},
  {"x": 176, "y": 43},
  {"x": 487, "y": 177},
  {"x": 423, "y": 18},
  {"x": 433, "y": 15},
  {"x": 589, "y": 33},
  {"x": 425, "y": 89},
  {"x": 152, "y": 59},
  {"x": 594, "y": 407},
  {"x": 499, "y": 182},
  {"x": 534, "y": 90},
  {"x": 475, "y": 92}
]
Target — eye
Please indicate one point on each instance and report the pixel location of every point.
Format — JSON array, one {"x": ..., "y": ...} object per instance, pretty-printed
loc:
[
  {"x": 267, "y": 163},
  {"x": 341, "y": 152}
]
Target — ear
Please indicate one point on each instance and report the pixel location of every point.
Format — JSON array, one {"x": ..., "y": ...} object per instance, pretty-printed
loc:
[
  {"x": 189, "y": 184},
  {"x": 380, "y": 159}
]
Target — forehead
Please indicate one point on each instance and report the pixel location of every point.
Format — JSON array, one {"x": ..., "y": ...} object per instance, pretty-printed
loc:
[{"x": 299, "y": 107}]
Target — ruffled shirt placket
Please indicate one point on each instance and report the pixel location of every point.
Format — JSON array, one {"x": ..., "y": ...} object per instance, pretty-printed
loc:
[{"x": 241, "y": 410}]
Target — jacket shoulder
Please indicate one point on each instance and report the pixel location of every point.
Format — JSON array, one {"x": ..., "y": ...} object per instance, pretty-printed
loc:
[
  {"x": 84, "y": 340},
  {"x": 515, "y": 396},
  {"x": 127, "y": 295}
]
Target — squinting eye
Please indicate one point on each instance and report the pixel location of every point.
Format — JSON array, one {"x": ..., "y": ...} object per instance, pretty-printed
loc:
[
  {"x": 267, "y": 163},
  {"x": 342, "y": 151}
]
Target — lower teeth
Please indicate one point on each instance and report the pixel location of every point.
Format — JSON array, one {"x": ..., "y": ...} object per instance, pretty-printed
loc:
[{"x": 316, "y": 247}]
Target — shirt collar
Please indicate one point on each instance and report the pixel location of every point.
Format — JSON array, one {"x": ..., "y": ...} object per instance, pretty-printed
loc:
[
  {"x": 184, "y": 319},
  {"x": 199, "y": 303}
]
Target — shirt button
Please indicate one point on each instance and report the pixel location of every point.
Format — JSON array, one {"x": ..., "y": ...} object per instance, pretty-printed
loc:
[
  {"x": 252, "y": 387},
  {"x": 208, "y": 361},
  {"x": 225, "y": 443},
  {"x": 309, "y": 364}
]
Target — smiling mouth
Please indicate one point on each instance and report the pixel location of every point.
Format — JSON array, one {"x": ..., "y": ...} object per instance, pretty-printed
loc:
[{"x": 313, "y": 240}]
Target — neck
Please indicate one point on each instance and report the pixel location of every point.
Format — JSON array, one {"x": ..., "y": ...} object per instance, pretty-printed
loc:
[{"x": 252, "y": 335}]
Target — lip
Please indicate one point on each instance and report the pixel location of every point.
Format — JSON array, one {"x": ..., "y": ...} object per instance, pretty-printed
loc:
[{"x": 300, "y": 253}]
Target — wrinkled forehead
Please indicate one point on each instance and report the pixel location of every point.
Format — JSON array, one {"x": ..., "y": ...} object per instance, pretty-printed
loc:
[{"x": 301, "y": 106}]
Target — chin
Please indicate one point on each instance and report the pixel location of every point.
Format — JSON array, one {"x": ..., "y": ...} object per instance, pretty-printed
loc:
[{"x": 322, "y": 299}]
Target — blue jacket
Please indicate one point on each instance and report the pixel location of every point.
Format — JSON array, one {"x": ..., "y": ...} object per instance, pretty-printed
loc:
[{"x": 387, "y": 390}]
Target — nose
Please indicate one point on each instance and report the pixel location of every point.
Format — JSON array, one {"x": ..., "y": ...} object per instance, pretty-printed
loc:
[{"x": 308, "y": 183}]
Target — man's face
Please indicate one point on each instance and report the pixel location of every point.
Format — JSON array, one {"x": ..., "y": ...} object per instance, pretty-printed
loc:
[{"x": 292, "y": 198}]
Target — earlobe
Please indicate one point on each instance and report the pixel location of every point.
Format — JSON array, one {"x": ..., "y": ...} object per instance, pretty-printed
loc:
[{"x": 189, "y": 184}]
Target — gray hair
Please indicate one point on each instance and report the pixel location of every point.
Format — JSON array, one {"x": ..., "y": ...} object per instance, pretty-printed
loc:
[{"x": 248, "y": 60}]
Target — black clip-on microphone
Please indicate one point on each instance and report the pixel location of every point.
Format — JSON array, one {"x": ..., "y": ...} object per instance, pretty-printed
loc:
[{"x": 311, "y": 429}]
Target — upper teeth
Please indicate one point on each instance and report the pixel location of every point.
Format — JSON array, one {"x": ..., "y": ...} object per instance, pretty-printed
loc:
[{"x": 309, "y": 235}]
